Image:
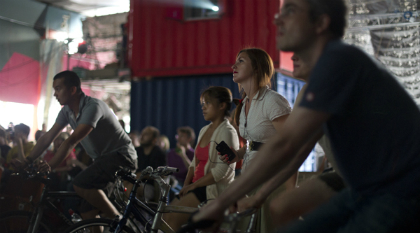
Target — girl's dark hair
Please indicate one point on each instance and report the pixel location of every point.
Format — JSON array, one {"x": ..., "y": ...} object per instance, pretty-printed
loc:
[
  {"x": 23, "y": 128},
  {"x": 264, "y": 71},
  {"x": 221, "y": 94}
]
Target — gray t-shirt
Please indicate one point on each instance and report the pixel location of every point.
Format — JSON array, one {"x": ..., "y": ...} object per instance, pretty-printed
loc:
[{"x": 107, "y": 136}]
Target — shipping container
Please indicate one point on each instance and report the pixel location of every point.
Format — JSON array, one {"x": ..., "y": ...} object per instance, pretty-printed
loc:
[{"x": 163, "y": 42}]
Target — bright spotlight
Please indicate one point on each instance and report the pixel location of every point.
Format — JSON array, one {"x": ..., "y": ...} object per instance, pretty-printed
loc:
[{"x": 215, "y": 8}]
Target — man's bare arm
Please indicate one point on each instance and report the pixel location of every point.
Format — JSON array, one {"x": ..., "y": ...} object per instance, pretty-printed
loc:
[
  {"x": 278, "y": 155},
  {"x": 68, "y": 145},
  {"x": 279, "y": 179},
  {"x": 291, "y": 182},
  {"x": 45, "y": 141},
  {"x": 21, "y": 151}
]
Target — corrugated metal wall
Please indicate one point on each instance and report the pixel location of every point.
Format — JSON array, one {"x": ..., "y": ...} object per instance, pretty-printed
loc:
[
  {"x": 168, "y": 103},
  {"x": 160, "y": 46},
  {"x": 289, "y": 88}
]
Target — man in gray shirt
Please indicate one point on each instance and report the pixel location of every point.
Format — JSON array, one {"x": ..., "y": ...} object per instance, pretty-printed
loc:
[{"x": 101, "y": 135}]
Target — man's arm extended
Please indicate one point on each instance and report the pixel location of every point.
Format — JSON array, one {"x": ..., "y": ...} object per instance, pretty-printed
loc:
[
  {"x": 281, "y": 154},
  {"x": 21, "y": 151},
  {"x": 44, "y": 142},
  {"x": 278, "y": 179},
  {"x": 68, "y": 145}
]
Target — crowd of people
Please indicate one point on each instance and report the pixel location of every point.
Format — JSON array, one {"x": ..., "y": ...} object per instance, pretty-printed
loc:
[{"x": 364, "y": 120}]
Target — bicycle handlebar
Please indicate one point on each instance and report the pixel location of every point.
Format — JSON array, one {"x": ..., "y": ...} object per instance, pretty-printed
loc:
[
  {"x": 126, "y": 174},
  {"x": 32, "y": 173},
  {"x": 165, "y": 171}
]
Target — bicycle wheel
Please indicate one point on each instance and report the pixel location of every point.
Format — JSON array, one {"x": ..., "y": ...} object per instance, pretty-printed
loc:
[
  {"x": 18, "y": 222},
  {"x": 86, "y": 225}
]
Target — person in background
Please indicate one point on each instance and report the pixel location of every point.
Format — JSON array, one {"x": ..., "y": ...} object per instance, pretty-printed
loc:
[
  {"x": 38, "y": 134},
  {"x": 4, "y": 146},
  {"x": 163, "y": 143},
  {"x": 149, "y": 154},
  {"x": 135, "y": 136},
  {"x": 21, "y": 149},
  {"x": 4, "y": 149},
  {"x": 22, "y": 146},
  {"x": 180, "y": 157},
  {"x": 207, "y": 176}
]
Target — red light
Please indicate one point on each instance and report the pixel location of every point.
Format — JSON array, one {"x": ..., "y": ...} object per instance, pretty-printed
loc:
[
  {"x": 125, "y": 189},
  {"x": 82, "y": 48}
]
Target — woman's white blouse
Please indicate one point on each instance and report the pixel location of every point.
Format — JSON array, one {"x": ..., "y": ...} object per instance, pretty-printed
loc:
[{"x": 259, "y": 127}]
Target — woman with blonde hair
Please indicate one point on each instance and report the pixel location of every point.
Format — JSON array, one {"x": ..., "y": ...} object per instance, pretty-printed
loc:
[{"x": 260, "y": 115}]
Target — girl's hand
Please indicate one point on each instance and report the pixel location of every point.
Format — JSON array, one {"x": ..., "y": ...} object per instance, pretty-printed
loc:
[
  {"x": 186, "y": 189},
  {"x": 224, "y": 158}
]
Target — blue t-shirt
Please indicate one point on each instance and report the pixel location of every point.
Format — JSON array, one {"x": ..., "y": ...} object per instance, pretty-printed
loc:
[
  {"x": 107, "y": 136},
  {"x": 374, "y": 126}
]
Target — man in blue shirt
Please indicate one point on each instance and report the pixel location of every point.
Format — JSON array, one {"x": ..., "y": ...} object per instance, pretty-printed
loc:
[{"x": 100, "y": 134}]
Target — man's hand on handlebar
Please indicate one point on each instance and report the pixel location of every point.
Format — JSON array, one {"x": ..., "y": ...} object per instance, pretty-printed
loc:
[
  {"x": 43, "y": 167},
  {"x": 248, "y": 203}
]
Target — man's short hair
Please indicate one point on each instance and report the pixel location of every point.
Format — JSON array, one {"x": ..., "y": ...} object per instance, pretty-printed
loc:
[
  {"x": 23, "y": 128},
  {"x": 337, "y": 10},
  {"x": 188, "y": 131},
  {"x": 71, "y": 79},
  {"x": 155, "y": 131},
  {"x": 39, "y": 134}
]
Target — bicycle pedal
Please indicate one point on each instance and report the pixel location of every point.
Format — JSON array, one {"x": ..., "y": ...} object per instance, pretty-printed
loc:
[{"x": 114, "y": 223}]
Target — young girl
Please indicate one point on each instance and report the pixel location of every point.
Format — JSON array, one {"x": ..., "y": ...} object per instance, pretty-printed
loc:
[
  {"x": 207, "y": 176},
  {"x": 261, "y": 114}
]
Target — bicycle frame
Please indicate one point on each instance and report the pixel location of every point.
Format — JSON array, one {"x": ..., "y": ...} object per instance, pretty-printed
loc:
[
  {"x": 44, "y": 203},
  {"x": 135, "y": 206}
]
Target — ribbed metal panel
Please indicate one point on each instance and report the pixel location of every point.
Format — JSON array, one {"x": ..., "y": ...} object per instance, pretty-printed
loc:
[
  {"x": 288, "y": 87},
  {"x": 161, "y": 46},
  {"x": 168, "y": 103}
]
